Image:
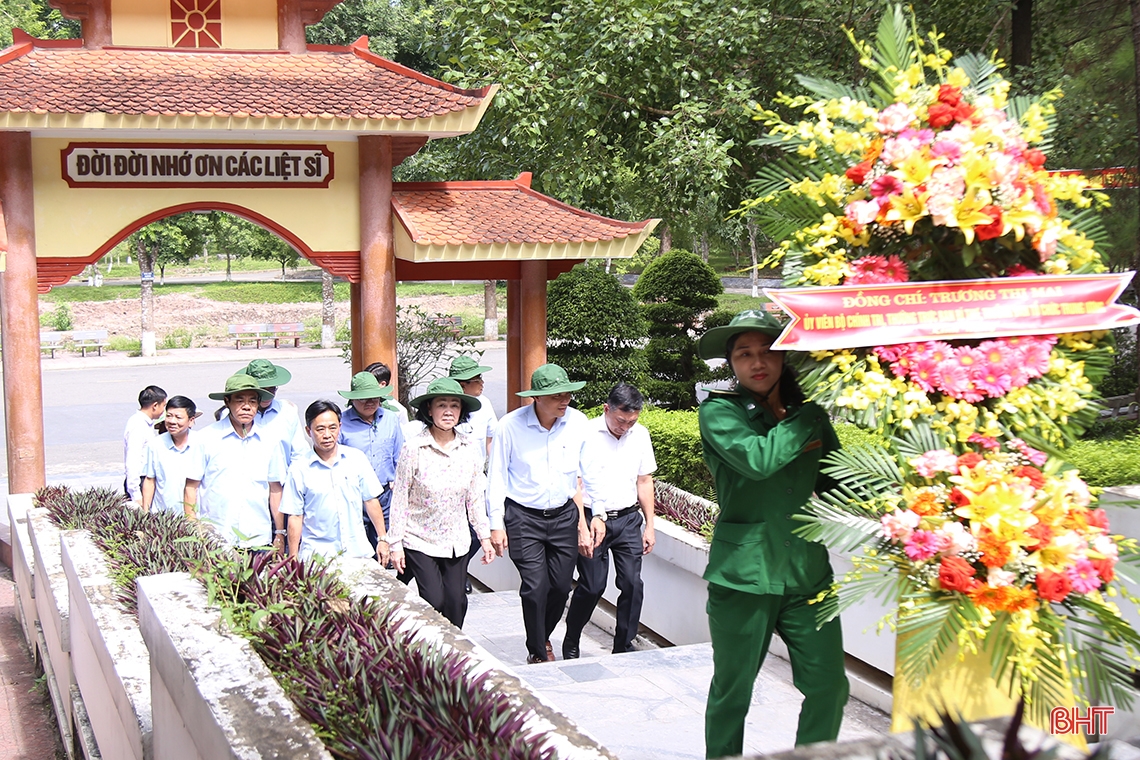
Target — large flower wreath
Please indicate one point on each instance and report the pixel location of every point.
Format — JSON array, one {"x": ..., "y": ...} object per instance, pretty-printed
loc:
[{"x": 932, "y": 172}]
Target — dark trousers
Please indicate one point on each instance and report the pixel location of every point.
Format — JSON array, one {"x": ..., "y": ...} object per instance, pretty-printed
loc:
[
  {"x": 543, "y": 550},
  {"x": 441, "y": 583},
  {"x": 741, "y": 625},
  {"x": 374, "y": 535},
  {"x": 623, "y": 539}
]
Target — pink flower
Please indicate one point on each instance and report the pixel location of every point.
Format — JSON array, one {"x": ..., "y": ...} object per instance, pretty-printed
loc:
[
  {"x": 938, "y": 350},
  {"x": 1035, "y": 353},
  {"x": 885, "y": 186},
  {"x": 895, "y": 118},
  {"x": 896, "y": 151},
  {"x": 899, "y": 356},
  {"x": 992, "y": 380},
  {"x": 1020, "y": 270},
  {"x": 1045, "y": 242},
  {"x": 1083, "y": 575},
  {"x": 933, "y": 462},
  {"x": 895, "y": 270},
  {"x": 924, "y": 373},
  {"x": 953, "y": 379},
  {"x": 1033, "y": 455},
  {"x": 947, "y": 149},
  {"x": 891, "y": 353},
  {"x": 862, "y": 212},
  {"x": 984, "y": 441},
  {"x": 899, "y": 524},
  {"x": 924, "y": 544},
  {"x": 994, "y": 353}
]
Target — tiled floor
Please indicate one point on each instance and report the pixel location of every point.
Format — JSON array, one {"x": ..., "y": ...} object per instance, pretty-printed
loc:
[{"x": 648, "y": 704}]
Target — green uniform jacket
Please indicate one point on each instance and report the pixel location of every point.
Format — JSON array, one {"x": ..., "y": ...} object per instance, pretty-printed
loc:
[{"x": 764, "y": 471}]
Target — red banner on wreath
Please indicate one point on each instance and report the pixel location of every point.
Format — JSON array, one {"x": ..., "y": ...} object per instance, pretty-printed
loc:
[{"x": 910, "y": 312}]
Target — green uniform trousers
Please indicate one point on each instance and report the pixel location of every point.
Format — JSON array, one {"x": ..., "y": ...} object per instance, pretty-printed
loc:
[{"x": 741, "y": 625}]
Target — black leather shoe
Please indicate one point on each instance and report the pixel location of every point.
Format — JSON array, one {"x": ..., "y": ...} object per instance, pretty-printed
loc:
[
  {"x": 467, "y": 588},
  {"x": 533, "y": 659},
  {"x": 570, "y": 651}
]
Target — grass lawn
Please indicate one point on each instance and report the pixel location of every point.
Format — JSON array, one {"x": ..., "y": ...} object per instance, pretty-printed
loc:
[
  {"x": 736, "y": 302},
  {"x": 257, "y": 292}
]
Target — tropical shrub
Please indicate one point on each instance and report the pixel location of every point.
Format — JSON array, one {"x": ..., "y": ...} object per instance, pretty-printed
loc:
[{"x": 595, "y": 332}]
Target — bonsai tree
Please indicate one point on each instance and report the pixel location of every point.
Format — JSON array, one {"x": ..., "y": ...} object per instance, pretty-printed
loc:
[
  {"x": 676, "y": 290},
  {"x": 595, "y": 332}
]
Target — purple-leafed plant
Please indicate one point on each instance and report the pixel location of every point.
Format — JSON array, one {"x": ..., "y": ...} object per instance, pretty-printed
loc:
[
  {"x": 690, "y": 512},
  {"x": 351, "y": 667}
]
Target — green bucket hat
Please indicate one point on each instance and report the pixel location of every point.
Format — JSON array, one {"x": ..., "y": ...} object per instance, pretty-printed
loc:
[
  {"x": 365, "y": 385},
  {"x": 267, "y": 374},
  {"x": 713, "y": 343},
  {"x": 550, "y": 379},
  {"x": 465, "y": 368},
  {"x": 241, "y": 382},
  {"x": 447, "y": 386}
]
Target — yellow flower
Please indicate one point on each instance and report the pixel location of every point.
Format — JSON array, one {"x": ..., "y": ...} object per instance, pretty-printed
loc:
[
  {"x": 908, "y": 209},
  {"x": 969, "y": 213},
  {"x": 957, "y": 77}
]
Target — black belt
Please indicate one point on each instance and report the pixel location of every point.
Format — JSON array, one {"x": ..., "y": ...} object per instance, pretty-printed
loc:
[
  {"x": 622, "y": 512},
  {"x": 541, "y": 512}
]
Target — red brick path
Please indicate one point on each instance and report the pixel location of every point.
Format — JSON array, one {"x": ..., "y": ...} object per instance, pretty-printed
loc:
[{"x": 26, "y": 730}]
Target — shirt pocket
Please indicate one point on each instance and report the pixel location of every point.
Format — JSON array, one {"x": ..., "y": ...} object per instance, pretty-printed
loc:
[{"x": 742, "y": 554}]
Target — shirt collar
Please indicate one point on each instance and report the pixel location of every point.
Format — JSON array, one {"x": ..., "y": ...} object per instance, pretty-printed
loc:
[
  {"x": 351, "y": 411},
  {"x": 602, "y": 428},
  {"x": 229, "y": 428},
  {"x": 424, "y": 440},
  {"x": 532, "y": 420},
  {"x": 168, "y": 440},
  {"x": 314, "y": 458}
]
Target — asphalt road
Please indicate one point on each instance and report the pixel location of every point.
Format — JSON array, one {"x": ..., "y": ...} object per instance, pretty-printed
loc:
[{"x": 87, "y": 401}]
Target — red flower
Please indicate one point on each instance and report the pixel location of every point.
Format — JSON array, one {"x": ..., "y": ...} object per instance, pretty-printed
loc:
[
  {"x": 994, "y": 228},
  {"x": 858, "y": 172},
  {"x": 1035, "y": 158},
  {"x": 972, "y": 459},
  {"x": 957, "y": 498},
  {"x": 1040, "y": 531},
  {"x": 963, "y": 111},
  {"x": 949, "y": 94},
  {"x": 956, "y": 574},
  {"x": 940, "y": 115},
  {"x": 1104, "y": 568},
  {"x": 1097, "y": 518},
  {"x": 1053, "y": 587},
  {"x": 1035, "y": 477},
  {"x": 1020, "y": 270}
]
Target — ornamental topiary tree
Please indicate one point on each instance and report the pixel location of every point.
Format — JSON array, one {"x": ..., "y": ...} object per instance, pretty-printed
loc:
[
  {"x": 675, "y": 290},
  {"x": 595, "y": 332}
]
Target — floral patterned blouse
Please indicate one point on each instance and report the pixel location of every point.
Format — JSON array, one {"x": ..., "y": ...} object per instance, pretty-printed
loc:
[{"x": 437, "y": 493}]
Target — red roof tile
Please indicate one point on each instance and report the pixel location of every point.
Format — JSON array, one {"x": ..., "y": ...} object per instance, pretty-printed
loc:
[
  {"x": 325, "y": 83},
  {"x": 474, "y": 213}
]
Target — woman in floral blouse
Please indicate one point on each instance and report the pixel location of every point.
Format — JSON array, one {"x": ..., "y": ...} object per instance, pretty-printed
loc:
[{"x": 439, "y": 491}]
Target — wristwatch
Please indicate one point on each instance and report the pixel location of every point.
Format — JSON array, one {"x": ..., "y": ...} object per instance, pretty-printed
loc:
[
  {"x": 280, "y": 532},
  {"x": 600, "y": 515}
]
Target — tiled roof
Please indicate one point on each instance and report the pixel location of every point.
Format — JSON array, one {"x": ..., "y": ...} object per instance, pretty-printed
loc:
[
  {"x": 325, "y": 83},
  {"x": 488, "y": 213}
]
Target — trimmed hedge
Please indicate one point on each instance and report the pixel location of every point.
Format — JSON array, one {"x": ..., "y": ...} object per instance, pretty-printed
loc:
[{"x": 1107, "y": 462}]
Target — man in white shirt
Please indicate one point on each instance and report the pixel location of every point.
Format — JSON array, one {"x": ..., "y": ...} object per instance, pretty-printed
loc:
[
  {"x": 138, "y": 433},
  {"x": 239, "y": 472},
  {"x": 325, "y": 491},
  {"x": 481, "y": 425},
  {"x": 534, "y": 501},
  {"x": 617, "y": 474},
  {"x": 278, "y": 418}
]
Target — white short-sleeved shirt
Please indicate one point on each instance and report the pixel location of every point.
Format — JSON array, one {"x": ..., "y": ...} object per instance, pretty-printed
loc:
[
  {"x": 168, "y": 465},
  {"x": 235, "y": 474},
  {"x": 611, "y": 466},
  {"x": 329, "y": 496},
  {"x": 282, "y": 421},
  {"x": 138, "y": 432},
  {"x": 481, "y": 424},
  {"x": 536, "y": 467}
]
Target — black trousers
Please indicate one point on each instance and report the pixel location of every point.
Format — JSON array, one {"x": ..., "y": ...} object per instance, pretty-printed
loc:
[
  {"x": 543, "y": 550},
  {"x": 441, "y": 583},
  {"x": 623, "y": 540}
]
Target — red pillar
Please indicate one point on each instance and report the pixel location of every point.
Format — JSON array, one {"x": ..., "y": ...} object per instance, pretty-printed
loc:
[
  {"x": 97, "y": 26},
  {"x": 514, "y": 347},
  {"x": 290, "y": 27},
  {"x": 532, "y": 314},
  {"x": 19, "y": 319},
  {"x": 377, "y": 254},
  {"x": 357, "y": 332}
]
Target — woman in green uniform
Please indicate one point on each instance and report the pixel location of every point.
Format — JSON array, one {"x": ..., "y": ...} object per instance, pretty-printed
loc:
[{"x": 763, "y": 443}]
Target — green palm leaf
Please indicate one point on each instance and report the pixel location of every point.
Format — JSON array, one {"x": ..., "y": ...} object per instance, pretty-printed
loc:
[
  {"x": 837, "y": 528},
  {"x": 982, "y": 71},
  {"x": 868, "y": 469},
  {"x": 831, "y": 90}
]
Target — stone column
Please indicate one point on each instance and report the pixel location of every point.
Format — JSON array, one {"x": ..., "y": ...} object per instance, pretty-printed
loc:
[
  {"x": 514, "y": 346},
  {"x": 356, "y": 332},
  {"x": 532, "y": 313},
  {"x": 19, "y": 319},
  {"x": 377, "y": 255}
]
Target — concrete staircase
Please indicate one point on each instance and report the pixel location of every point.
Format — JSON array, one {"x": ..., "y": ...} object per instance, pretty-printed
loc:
[{"x": 648, "y": 704}]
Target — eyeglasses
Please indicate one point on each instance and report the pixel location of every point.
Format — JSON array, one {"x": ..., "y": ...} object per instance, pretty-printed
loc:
[{"x": 476, "y": 379}]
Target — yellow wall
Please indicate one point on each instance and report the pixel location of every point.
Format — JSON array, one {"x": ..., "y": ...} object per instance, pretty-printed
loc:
[
  {"x": 78, "y": 221},
  {"x": 246, "y": 24}
]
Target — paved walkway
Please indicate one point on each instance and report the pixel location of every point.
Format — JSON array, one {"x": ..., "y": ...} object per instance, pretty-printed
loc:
[
  {"x": 27, "y": 730},
  {"x": 650, "y": 704}
]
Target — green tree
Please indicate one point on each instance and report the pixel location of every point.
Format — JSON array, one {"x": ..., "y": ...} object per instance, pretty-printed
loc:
[
  {"x": 676, "y": 290},
  {"x": 595, "y": 332},
  {"x": 175, "y": 238},
  {"x": 395, "y": 30},
  {"x": 36, "y": 18}
]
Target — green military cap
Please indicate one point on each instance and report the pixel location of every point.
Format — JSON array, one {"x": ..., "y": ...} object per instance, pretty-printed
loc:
[
  {"x": 550, "y": 379},
  {"x": 365, "y": 385},
  {"x": 267, "y": 374},
  {"x": 465, "y": 368},
  {"x": 241, "y": 382},
  {"x": 714, "y": 342},
  {"x": 446, "y": 386}
]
